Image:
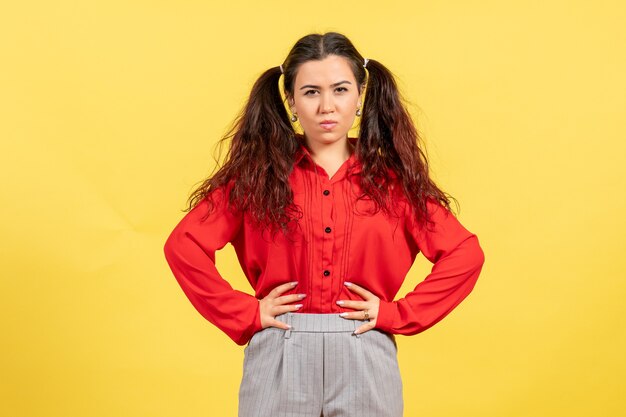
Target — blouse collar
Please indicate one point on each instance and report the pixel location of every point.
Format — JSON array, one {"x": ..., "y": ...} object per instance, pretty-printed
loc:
[{"x": 303, "y": 152}]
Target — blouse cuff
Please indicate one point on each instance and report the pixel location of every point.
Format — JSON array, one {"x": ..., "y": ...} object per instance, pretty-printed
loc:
[
  {"x": 387, "y": 312},
  {"x": 256, "y": 326}
]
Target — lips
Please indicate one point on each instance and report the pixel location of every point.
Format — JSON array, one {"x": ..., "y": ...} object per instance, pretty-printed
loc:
[{"x": 328, "y": 124}]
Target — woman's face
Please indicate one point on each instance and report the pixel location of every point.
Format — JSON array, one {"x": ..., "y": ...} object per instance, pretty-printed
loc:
[{"x": 325, "y": 90}]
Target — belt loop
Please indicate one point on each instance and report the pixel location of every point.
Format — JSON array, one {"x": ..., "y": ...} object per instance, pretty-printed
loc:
[
  {"x": 288, "y": 321},
  {"x": 356, "y": 324}
]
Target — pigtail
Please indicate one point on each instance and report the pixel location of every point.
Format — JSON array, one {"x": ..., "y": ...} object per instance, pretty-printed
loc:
[
  {"x": 390, "y": 141},
  {"x": 256, "y": 164}
]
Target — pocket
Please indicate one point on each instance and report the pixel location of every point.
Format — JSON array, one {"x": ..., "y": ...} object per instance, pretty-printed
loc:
[
  {"x": 393, "y": 339},
  {"x": 252, "y": 340},
  {"x": 385, "y": 338},
  {"x": 260, "y": 334}
]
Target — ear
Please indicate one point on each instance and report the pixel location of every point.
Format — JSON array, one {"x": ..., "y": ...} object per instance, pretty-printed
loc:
[
  {"x": 362, "y": 93},
  {"x": 361, "y": 101},
  {"x": 291, "y": 103}
]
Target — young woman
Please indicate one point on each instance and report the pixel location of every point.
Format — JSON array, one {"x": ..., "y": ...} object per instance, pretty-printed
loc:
[{"x": 325, "y": 227}]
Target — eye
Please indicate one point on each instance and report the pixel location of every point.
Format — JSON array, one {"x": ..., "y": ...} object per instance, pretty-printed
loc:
[
  {"x": 342, "y": 88},
  {"x": 309, "y": 91}
]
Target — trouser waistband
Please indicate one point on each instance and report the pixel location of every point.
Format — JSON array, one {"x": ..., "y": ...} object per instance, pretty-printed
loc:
[{"x": 318, "y": 322}]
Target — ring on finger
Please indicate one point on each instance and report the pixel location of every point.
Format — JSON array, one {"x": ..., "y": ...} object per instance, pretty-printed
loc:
[{"x": 366, "y": 315}]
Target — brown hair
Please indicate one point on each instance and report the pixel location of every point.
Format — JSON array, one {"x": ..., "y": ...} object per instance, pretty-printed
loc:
[{"x": 264, "y": 144}]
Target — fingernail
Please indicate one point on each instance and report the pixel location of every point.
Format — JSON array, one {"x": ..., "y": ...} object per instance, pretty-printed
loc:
[
  {"x": 301, "y": 295},
  {"x": 340, "y": 302},
  {"x": 343, "y": 314},
  {"x": 355, "y": 332},
  {"x": 298, "y": 305},
  {"x": 347, "y": 284},
  {"x": 289, "y": 326},
  {"x": 294, "y": 283}
]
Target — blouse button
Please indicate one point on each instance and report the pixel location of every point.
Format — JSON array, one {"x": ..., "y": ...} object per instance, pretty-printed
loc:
[
  {"x": 327, "y": 230},
  {"x": 326, "y": 192},
  {"x": 326, "y": 273}
]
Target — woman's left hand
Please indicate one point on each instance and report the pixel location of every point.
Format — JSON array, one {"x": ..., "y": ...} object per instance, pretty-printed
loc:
[{"x": 370, "y": 305}]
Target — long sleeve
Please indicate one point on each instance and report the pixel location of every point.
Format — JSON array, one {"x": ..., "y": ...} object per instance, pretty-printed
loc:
[
  {"x": 458, "y": 260},
  {"x": 190, "y": 253}
]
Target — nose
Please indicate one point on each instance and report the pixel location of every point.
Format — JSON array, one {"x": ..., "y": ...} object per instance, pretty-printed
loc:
[{"x": 327, "y": 103}]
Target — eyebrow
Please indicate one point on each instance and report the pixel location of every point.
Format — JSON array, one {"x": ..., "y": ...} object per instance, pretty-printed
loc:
[{"x": 317, "y": 86}]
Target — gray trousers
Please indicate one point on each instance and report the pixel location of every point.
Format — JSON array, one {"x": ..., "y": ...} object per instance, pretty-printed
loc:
[{"x": 319, "y": 368}]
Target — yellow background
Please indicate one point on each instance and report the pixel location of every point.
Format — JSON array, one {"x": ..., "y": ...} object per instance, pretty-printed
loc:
[{"x": 109, "y": 115}]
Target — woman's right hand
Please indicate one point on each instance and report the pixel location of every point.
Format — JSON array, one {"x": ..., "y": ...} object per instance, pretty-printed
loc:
[{"x": 273, "y": 305}]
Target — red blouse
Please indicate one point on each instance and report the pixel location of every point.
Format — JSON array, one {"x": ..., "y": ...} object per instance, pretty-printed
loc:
[{"x": 338, "y": 241}]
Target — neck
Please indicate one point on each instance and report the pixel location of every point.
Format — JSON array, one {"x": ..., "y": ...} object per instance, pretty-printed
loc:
[{"x": 340, "y": 150}]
